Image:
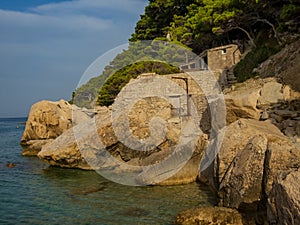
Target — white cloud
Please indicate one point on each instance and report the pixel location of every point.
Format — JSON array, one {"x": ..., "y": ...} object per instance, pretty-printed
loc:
[
  {"x": 53, "y": 44},
  {"x": 127, "y": 6},
  {"x": 21, "y": 20}
]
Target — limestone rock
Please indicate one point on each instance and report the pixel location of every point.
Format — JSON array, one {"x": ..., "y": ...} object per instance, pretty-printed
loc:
[
  {"x": 64, "y": 152},
  {"x": 33, "y": 147},
  {"x": 271, "y": 93},
  {"x": 243, "y": 179},
  {"x": 282, "y": 156},
  {"x": 46, "y": 121},
  {"x": 189, "y": 172},
  {"x": 284, "y": 202},
  {"x": 237, "y": 135},
  {"x": 285, "y": 65},
  {"x": 209, "y": 215},
  {"x": 83, "y": 143},
  {"x": 242, "y": 104}
]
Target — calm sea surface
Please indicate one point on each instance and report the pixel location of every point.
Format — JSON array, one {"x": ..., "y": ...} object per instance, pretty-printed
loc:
[{"x": 34, "y": 193}]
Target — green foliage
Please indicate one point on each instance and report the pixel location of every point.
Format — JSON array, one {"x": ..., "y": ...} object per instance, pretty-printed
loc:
[
  {"x": 289, "y": 11},
  {"x": 72, "y": 98},
  {"x": 119, "y": 79},
  {"x": 158, "y": 15},
  {"x": 199, "y": 25},
  {"x": 202, "y": 24},
  {"x": 171, "y": 53},
  {"x": 244, "y": 69}
]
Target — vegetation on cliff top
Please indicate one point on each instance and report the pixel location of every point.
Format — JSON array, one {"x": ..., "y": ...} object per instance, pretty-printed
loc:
[
  {"x": 203, "y": 24},
  {"x": 119, "y": 79}
]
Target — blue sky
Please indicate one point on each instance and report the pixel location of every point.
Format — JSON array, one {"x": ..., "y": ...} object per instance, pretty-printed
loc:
[{"x": 46, "y": 45}]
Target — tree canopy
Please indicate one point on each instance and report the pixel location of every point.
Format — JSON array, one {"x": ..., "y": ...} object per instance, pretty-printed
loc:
[{"x": 200, "y": 25}]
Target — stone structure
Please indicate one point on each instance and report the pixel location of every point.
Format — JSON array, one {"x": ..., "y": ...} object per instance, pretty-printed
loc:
[
  {"x": 223, "y": 57},
  {"x": 219, "y": 61}
]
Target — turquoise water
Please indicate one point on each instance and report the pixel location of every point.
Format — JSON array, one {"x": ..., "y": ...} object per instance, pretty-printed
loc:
[{"x": 34, "y": 193}]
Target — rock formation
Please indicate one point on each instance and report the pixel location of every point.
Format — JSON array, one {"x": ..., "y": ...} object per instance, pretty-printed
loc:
[
  {"x": 242, "y": 105},
  {"x": 68, "y": 150},
  {"x": 210, "y": 215},
  {"x": 46, "y": 121},
  {"x": 243, "y": 179},
  {"x": 257, "y": 168},
  {"x": 258, "y": 163},
  {"x": 284, "y": 203}
]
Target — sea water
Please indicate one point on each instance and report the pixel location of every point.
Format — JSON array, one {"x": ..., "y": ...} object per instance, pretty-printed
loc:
[{"x": 34, "y": 193}]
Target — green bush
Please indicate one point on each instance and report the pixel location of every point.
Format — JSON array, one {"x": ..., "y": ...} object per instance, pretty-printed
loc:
[{"x": 244, "y": 69}]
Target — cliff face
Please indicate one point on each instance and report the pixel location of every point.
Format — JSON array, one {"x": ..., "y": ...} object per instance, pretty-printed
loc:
[{"x": 258, "y": 164}]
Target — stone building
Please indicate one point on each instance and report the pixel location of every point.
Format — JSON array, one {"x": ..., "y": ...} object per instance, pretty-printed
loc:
[
  {"x": 216, "y": 59},
  {"x": 223, "y": 57},
  {"x": 219, "y": 61}
]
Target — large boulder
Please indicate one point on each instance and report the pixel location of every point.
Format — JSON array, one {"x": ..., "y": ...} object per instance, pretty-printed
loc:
[
  {"x": 210, "y": 215},
  {"x": 237, "y": 136},
  {"x": 284, "y": 202},
  {"x": 271, "y": 93},
  {"x": 242, "y": 104},
  {"x": 72, "y": 148},
  {"x": 46, "y": 121},
  {"x": 252, "y": 156},
  {"x": 243, "y": 179},
  {"x": 281, "y": 157}
]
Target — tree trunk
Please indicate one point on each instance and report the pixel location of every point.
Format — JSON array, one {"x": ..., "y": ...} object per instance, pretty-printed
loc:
[
  {"x": 246, "y": 32},
  {"x": 273, "y": 28}
]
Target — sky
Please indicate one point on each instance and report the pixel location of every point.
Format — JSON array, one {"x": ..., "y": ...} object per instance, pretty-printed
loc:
[{"x": 47, "y": 45}]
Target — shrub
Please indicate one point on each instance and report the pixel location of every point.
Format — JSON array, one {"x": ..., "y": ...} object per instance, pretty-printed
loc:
[{"x": 244, "y": 69}]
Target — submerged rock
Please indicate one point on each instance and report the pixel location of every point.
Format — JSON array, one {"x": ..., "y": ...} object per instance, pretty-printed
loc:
[
  {"x": 134, "y": 212},
  {"x": 210, "y": 215},
  {"x": 10, "y": 165}
]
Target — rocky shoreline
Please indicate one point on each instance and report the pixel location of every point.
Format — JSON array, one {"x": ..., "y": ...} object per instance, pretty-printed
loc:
[{"x": 256, "y": 172}]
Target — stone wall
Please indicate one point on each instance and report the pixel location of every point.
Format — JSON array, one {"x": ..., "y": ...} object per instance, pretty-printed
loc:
[{"x": 223, "y": 57}]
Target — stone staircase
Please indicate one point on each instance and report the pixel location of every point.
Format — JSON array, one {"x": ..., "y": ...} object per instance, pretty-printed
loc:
[{"x": 231, "y": 79}]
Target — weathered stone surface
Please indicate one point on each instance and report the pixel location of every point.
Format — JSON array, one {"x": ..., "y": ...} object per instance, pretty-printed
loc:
[
  {"x": 237, "y": 135},
  {"x": 282, "y": 156},
  {"x": 284, "y": 65},
  {"x": 47, "y": 120},
  {"x": 189, "y": 172},
  {"x": 243, "y": 179},
  {"x": 64, "y": 152},
  {"x": 209, "y": 215},
  {"x": 242, "y": 105},
  {"x": 33, "y": 147},
  {"x": 270, "y": 93},
  {"x": 284, "y": 200},
  {"x": 67, "y": 150}
]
